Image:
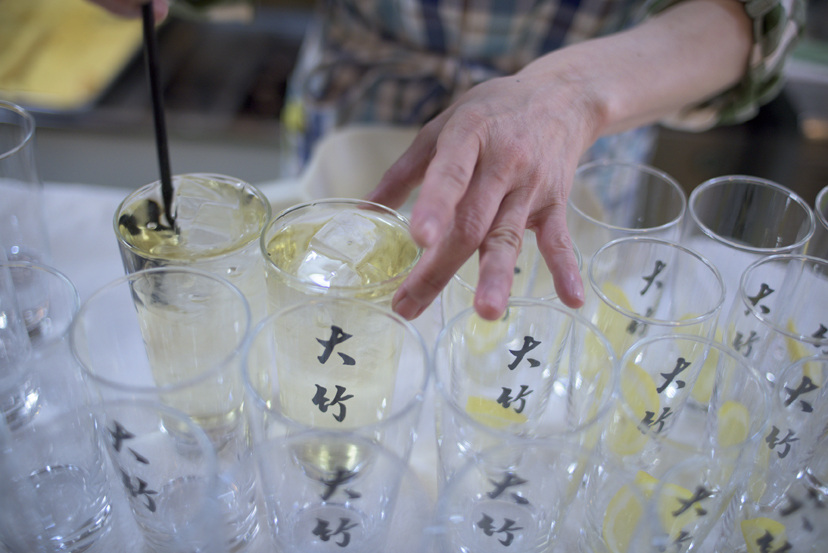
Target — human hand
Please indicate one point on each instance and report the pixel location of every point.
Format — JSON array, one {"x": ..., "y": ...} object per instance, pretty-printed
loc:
[
  {"x": 132, "y": 8},
  {"x": 498, "y": 161}
]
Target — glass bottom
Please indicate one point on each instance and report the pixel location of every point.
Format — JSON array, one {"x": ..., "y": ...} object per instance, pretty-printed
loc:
[{"x": 73, "y": 505}]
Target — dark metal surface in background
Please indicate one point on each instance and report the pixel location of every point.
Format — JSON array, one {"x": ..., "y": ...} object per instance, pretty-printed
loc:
[{"x": 219, "y": 79}]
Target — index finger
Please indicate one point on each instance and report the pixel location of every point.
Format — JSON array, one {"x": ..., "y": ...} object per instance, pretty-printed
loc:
[{"x": 445, "y": 183}]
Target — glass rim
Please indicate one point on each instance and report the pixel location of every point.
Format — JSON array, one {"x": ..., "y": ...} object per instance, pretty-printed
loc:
[
  {"x": 722, "y": 349},
  {"x": 724, "y": 180},
  {"x": 714, "y": 312},
  {"x": 554, "y": 295},
  {"x": 208, "y": 373},
  {"x": 213, "y": 176},
  {"x": 306, "y": 286},
  {"x": 663, "y": 177},
  {"x": 415, "y": 402},
  {"x": 530, "y": 302},
  {"x": 28, "y": 125},
  {"x": 757, "y": 314},
  {"x": 64, "y": 280},
  {"x": 821, "y": 207}
]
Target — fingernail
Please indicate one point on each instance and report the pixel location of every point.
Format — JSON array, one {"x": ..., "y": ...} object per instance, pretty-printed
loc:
[
  {"x": 576, "y": 288},
  {"x": 406, "y": 307}
]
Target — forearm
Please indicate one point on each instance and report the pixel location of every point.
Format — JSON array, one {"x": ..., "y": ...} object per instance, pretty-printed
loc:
[{"x": 680, "y": 57}]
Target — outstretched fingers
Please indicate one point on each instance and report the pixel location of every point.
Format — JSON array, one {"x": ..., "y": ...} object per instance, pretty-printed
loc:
[{"x": 556, "y": 248}]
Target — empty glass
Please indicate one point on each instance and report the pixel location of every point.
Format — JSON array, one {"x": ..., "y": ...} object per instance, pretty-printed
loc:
[
  {"x": 22, "y": 222},
  {"x": 168, "y": 468},
  {"x": 736, "y": 219},
  {"x": 48, "y": 364},
  {"x": 540, "y": 371},
  {"x": 513, "y": 497},
  {"x": 345, "y": 509},
  {"x": 616, "y": 199},
  {"x": 780, "y": 315},
  {"x": 646, "y": 286},
  {"x": 174, "y": 336}
]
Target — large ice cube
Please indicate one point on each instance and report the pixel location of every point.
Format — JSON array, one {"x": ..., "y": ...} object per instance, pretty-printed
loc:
[
  {"x": 325, "y": 271},
  {"x": 348, "y": 236},
  {"x": 207, "y": 215}
]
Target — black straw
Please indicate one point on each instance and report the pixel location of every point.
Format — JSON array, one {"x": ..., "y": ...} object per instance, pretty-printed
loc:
[{"x": 151, "y": 56}]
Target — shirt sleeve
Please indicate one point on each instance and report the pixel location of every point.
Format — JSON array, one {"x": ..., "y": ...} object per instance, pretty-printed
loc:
[{"x": 777, "y": 26}]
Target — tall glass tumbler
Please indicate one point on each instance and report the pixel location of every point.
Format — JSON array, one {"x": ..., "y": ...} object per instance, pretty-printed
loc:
[
  {"x": 45, "y": 367},
  {"x": 169, "y": 472},
  {"x": 217, "y": 224},
  {"x": 52, "y": 462},
  {"x": 344, "y": 511},
  {"x": 55, "y": 483},
  {"x": 16, "y": 385},
  {"x": 798, "y": 421},
  {"x": 515, "y": 497},
  {"x": 818, "y": 244},
  {"x": 780, "y": 315},
  {"x": 22, "y": 222},
  {"x": 341, "y": 365},
  {"x": 532, "y": 279},
  {"x": 541, "y": 371},
  {"x": 614, "y": 199},
  {"x": 336, "y": 247},
  {"x": 645, "y": 286},
  {"x": 174, "y": 336},
  {"x": 653, "y": 404},
  {"x": 734, "y": 220}
]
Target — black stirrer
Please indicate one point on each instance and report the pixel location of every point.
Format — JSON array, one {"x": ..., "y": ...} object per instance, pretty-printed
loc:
[{"x": 151, "y": 56}]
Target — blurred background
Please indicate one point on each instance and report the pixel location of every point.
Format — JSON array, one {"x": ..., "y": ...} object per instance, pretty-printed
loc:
[{"x": 225, "y": 65}]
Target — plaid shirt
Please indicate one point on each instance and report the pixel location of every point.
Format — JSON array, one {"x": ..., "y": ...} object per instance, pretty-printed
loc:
[{"x": 404, "y": 61}]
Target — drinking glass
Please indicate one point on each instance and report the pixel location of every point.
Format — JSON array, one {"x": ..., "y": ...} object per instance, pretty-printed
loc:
[
  {"x": 610, "y": 519},
  {"x": 217, "y": 224},
  {"x": 615, "y": 199},
  {"x": 818, "y": 244},
  {"x": 779, "y": 315},
  {"x": 339, "y": 364},
  {"x": 345, "y": 510},
  {"x": 797, "y": 524},
  {"x": 336, "y": 247},
  {"x": 47, "y": 367},
  {"x": 168, "y": 468},
  {"x": 654, "y": 405},
  {"x": 734, "y": 220},
  {"x": 532, "y": 279},
  {"x": 540, "y": 371},
  {"x": 16, "y": 385},
  {"x": 646, "y": 286},
  {"x": 22, "y": 224},
  {"x": 56, "y": 476},
  {"x": 513, "y": 497},
  {"x": 174, "y": 336},
  {"x": 799, "y": 418}
]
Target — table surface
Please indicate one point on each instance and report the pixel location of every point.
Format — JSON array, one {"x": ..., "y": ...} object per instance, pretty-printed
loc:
[{"x": 79, "y": 219}]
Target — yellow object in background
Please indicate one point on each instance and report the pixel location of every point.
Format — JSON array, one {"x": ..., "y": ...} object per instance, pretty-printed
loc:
[{"x": 61, "y": 54}]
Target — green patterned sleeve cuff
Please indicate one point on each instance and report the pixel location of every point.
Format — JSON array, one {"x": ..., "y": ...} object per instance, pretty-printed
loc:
[{"x": 777, "y": 26}]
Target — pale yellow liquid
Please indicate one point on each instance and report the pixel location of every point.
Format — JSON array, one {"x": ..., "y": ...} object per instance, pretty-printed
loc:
[
  {"x": 217, "y": 225},
  {"x": 392, "y": 257},
  {"x": 374, "y": 345}
]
